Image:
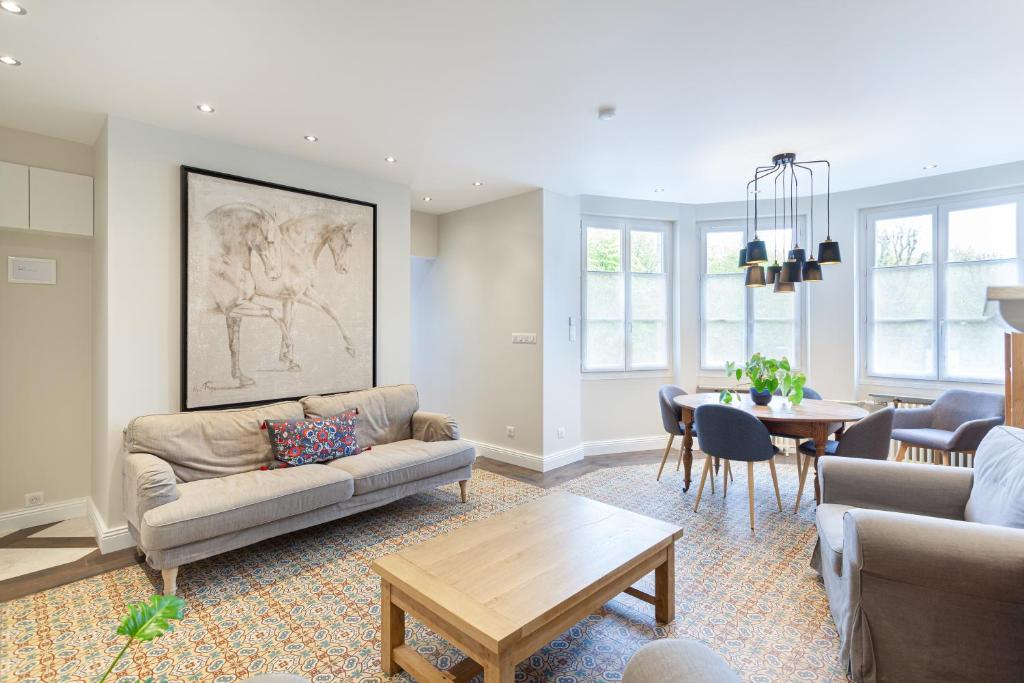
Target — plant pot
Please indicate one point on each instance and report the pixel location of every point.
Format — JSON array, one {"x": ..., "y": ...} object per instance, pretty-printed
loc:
[{"x": 761, "y": 398}]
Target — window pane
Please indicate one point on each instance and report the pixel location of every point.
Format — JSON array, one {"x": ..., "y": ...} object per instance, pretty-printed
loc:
[
  {"x": 903, "y": 241},
  {"x": 606, "y": 314},
  {"x": 649, "y": 348},
  {"x": 606, "y": 345},
  {"x": 606, "y": 296},
  {"x": 775, "y": 324},
  {"x": 903, "y": 330},
  {"x": 648, "y": 251},
  {"x": 650, "y": 297},
  {"x": 973, "y": 345},
  {"x": 604, "y": 250},
  {"x": 650, "y": 315},
  {"x": 724, "y": 318},
  {"x": 982, "y": 233},
  {"x": 903, "y": 348},
  {"x": 723, "y": 251},
  {"x": 778, "y": 243}
]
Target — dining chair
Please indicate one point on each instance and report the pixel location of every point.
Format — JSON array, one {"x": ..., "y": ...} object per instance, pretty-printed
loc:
[
  {"x": 731, "y": 434},
  {"x": 867, "y": 439},
  {"x": 672, "y": 420},
  {"x": 832, "y": 428},
  {"x": 956, "y": 422}
]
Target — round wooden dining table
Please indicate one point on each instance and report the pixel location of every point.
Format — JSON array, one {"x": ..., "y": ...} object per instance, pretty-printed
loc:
[{"x": 811, "y": 419}]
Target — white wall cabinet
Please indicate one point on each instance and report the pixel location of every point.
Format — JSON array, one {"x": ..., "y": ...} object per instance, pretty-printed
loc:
[
  {"x": 60, "y": 202},
  {"x": 13, "y": 195}
]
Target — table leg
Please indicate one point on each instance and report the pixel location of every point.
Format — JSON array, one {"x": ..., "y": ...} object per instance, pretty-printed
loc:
[
  {"x": 392, "y": 629},
  {"x": 820, "y": 437},
  {"x": 687, "y": 448},
  {"x": 665, "y": 587},
  {"x": 499, "y": 670}
]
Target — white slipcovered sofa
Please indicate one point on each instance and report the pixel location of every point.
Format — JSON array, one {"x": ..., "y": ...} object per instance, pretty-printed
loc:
[{"x": 193, "y": 486}]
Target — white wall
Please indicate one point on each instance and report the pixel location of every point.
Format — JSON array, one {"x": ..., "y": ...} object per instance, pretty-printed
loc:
[
  {"x": 561, "y": 301},
  {"x": 485, "y": 285},
  {"x": 833, "y": 329},
  {"x": 424, "y": 235},
  {"x": 45, "y": 350},
  {"x": 137, "y": 266}
]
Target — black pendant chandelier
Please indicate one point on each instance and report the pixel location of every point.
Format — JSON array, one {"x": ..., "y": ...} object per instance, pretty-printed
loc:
[{"x": 796, "y": 268}]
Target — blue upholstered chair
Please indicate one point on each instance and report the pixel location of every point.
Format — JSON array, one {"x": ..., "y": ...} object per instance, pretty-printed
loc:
[
  {"x": 867, "y": 439},
  {"x": 672, "y": 420},
  {"x": 956, "y": 422},
  {"x": 731, "y": 434}
]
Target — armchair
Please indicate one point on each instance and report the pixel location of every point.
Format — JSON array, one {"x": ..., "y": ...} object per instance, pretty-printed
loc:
[
  {"x": 956, "y": 422},
  {"x": 924, "y": 568}
]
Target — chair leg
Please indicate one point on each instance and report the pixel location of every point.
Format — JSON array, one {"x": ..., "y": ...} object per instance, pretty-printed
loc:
[
  {"x": 775, "y": 481},
  {"x": 803, "y": 478},
  {"x": 664, "y": 458},
  {"x": 682, "y": 450},
  {"x": 464, "y": 490},
  {"x": 726, "y": 476},
  {"x": 714, "y": 464},
  {"x": 750, "y": 492},
  {"x": 945, "y": 457},
  {"x": 902, "y": 452},
  {"x": 703, "y": 479}
]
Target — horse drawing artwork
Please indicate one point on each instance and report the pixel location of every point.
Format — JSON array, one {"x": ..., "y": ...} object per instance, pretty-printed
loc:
[
  {"x": 304, "y": 239},
  {"x": 241, "y": 230}
]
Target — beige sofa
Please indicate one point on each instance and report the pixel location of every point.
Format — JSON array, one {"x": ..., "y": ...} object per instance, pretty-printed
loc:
[{"x": 193, "y": 485}]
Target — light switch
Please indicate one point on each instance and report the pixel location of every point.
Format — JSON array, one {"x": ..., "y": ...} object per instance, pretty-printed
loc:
[
  {"x": 524, "y": 338},
  {"x": 31, "y": 271}
]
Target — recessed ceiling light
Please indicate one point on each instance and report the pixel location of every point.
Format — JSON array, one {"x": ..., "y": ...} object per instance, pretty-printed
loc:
[
  {"x": 9, "y": 60},
  {"x": 205, "y": 108},
  {"x": 478, "y": 183},
  {"x": 12, "y": 7},
  {"x": 390, "y": 159},
  {"x": 426, "y": 199},
  {"x": 928, "y": 167},
  {"x": 606, "y": 113},
  {"x": 659, "y": 189},
  {"x": 310, "y": 138}
]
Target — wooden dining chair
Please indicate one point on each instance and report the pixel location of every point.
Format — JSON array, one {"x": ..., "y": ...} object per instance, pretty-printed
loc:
[{"x": 731, "y": 434}]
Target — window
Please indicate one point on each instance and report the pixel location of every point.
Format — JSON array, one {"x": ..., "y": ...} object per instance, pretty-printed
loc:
[
  {"x": 927, "y": 269},
  {"x": 736, "y": 321},
  {"x": 626, "y": 295}
]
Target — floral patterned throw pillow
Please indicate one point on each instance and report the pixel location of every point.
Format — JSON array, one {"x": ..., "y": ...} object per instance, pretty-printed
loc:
[{"x": 301, "y": 442}]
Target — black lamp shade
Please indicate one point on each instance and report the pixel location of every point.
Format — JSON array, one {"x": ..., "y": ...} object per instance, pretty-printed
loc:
[
  {"x": 743, "y": 259},
  {"x": 828, "y": 252},
  {"x": 792, "y": 271},
  {"x": 773, "y": 273},
  {"x": 812, "y": 271},
  {"x": 757, "y": 252},
  {"x": 797, "y": 254},
  {"x": 755, "y": 276},
  {"x": 784, "y": 287}
]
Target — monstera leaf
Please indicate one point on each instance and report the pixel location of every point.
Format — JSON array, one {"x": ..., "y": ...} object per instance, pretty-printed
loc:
[{"x": 149, "y": 620}]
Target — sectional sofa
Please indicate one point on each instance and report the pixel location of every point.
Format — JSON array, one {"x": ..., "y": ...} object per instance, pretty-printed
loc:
[{"x": 193, "y": 486}]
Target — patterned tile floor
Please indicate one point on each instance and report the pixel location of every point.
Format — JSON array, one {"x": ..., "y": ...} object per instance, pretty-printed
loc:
[{"x": 307, "y": 603}]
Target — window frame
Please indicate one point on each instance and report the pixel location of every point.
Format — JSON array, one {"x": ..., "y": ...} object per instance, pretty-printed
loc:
[
  {"x": 939, "y": 208},
  {"x": 625, "y": 226},
  {"x": 800, "y": 320}
]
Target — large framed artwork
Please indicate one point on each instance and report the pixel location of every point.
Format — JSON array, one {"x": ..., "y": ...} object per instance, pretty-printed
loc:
[{"x": 278, "y": 291}]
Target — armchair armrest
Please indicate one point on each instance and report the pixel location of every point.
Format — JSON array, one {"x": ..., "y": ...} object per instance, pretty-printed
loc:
[
  {"x": 945, "y": 556},
  {"x": 968, "y": 436},
  {"x": 900, "y": 487},
  {"x": 149, "y": 482},
  {"x": 434, "y": 427},
  {"x": 912, "y": 418}
]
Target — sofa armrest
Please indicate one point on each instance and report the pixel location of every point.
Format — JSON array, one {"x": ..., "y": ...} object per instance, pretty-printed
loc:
[
  {"x": 149, "y": 482},
  {"x": 901, "y": 487},
  {"x": 968, "y": 436},
  {"x": 912, "y": 418},
  {"x": 943, "y": 555},
  {"x": 434, "y": 427}
]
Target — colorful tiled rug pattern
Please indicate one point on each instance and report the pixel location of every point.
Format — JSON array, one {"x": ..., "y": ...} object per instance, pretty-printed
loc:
[{"x": 308, "y": 604}]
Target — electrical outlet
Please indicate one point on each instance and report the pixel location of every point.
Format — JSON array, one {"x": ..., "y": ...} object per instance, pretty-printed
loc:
[
  {"x": 33, "y": 499},
  {"x": 561, "y": 432},
  {"x": 510, "y": 431}
]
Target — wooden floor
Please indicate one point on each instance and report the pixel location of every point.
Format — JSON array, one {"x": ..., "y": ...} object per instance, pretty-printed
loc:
[{"x": 95, "y": 563}]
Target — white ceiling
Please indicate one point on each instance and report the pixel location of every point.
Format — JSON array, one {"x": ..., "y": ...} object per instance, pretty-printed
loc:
[{"x": 507, "y": 93}]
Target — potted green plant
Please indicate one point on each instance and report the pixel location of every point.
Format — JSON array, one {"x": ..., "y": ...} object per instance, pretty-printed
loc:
[{"x": 766, "y": 376}]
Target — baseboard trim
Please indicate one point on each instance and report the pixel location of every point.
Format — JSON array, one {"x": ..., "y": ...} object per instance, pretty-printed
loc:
[
  {"x": 567, "y": 456},
  {"x": 530, "y": 461},
  {"x": 629, "y": 445},
  {"x": 43, "y": 514},
  {"x": 109, "y": 539}
]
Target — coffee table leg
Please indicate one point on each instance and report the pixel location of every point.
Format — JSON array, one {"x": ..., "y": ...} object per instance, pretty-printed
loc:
[
  {"x": 392, "y": 629},
  {"x": 499, "y": 670},
  {"x": 687, "y": 449},
  {"x": 665, "y": 587}
]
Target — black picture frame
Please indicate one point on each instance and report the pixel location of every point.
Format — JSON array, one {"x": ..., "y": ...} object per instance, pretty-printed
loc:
[{"x": 184, "y": 173}]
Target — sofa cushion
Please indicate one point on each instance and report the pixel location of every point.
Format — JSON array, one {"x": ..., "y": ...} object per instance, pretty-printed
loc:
[
  {"x": 209, "y": 443},
  {"x": 211, "y": 507},
  {"x": 829, "y": 518},
  {"x": 303, "y": 442},
  {"x": 997, "y": 495},
  {"x": 385, "y": 413},
  {"x": 397, "y": 463},
  {"x": 939, "y": 439}
]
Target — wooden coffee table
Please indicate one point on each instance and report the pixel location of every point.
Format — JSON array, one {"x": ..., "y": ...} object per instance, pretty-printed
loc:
[{"x": 502, "y": 588}]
